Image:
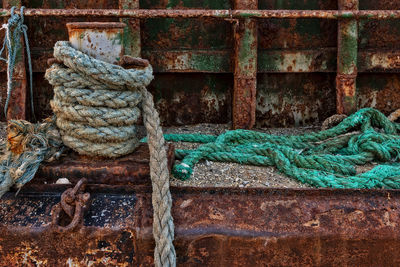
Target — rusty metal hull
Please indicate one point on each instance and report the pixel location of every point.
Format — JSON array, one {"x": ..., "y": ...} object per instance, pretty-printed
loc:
[
  {"x": 214, "y": 227},
  {"x": 210, "y": 71}
]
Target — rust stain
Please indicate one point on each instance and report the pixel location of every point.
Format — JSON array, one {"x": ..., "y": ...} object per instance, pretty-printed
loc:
[
  {"x": 345, "y": 93},
  {"x": 130, "y": 169},
  {"x": 237, "y": 227}
]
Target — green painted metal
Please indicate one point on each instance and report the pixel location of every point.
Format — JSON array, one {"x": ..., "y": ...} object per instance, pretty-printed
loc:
[
  {"x": 131, "y": 39},
  {"x": 347, "y": 60},
  {"x": 247, "y": 50},
  {"x": 347, "y": 51},
  {"x": 323, "y": 60},
  {"x": 245, "y": 68},
  {"x": 186, "y": 34},
  {"x": 206, "y": 45},
  {"x": 189, "y": 61}
]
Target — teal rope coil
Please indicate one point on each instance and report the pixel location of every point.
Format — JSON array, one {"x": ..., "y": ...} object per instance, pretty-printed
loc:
[
  {"x": 322, "y": 159},
  {"x": 14, "y": 28}
]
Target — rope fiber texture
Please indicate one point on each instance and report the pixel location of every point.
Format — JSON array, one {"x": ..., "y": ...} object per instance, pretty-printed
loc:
[
  {"x": 14, "y": 28},
  {"x": 322, "y": 159},
  {"x": 97, "y": 104},
  {"x": 27, "y": 146}
]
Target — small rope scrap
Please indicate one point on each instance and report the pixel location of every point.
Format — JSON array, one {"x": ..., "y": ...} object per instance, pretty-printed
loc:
[
  {"x": 14, "y": 28},
  {"x": 27, "y": 146},
  {"x": 322, "y": 159}
]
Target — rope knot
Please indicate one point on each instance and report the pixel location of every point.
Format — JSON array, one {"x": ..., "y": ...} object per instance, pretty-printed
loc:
[{"x": 372, "y": 143}]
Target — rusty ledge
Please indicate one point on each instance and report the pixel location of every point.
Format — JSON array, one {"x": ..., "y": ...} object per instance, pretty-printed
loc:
[{"x": 95, "y": 25}]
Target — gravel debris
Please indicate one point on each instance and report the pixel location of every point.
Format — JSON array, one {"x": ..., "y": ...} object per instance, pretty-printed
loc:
[{"x": 220, "y": 174}]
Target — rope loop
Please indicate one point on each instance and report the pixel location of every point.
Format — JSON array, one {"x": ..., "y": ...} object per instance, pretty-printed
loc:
[{"x": 14, "y": 28}]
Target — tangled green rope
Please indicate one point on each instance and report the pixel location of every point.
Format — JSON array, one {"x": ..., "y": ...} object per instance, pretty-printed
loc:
[{"x": 322, "y": 159}]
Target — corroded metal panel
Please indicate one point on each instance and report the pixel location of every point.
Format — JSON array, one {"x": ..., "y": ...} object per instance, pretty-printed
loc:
[
  {"x": 381, "y": 91},
  {"x": 191, "y": 98},
  {"x": 214, "y": 227},
  {"x": 186, "y": 41},
  {"x": 131, "y": 41},
  {"x": 101, "y": 40},
  {"x": 294, "y": 99},
  {"x": 318, "y": 60}
]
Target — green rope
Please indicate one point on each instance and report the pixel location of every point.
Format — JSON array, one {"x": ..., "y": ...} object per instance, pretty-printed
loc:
[
  {"x": 322, "y": 159},
  {"x": 14, "y": 28}
]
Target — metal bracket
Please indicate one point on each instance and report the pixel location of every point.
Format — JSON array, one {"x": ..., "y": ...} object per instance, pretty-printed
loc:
[{"x": 74, "y": 203}]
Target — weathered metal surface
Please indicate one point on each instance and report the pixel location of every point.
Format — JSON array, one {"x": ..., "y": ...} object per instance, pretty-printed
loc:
[
  {"x": 131, "y": 41},
  {"x": 347, "y": 61},
  {"x": 185, "y": 4},
  {"x": 74, "y": 203},
  {"x": 183, "y": 34},
  {"x": 205, "y": 44},
  {"x": 322, "y": 60},
  {"x": 298, "y": 5},
  {"x": 381, "y": 91},
  {"x": 101, "y": 40},
  {"x": 385, "y": 61},
  {"x": 214, "y": 227},
  {"x": 379, "y": 35},
  {"x": 132, "y": 169},
  {"x": 271, "y": 60},
  {"x": 204, "y": 13},
  {"x": 301, "y": 99},
  {"x": 190, "y": 61},
  {"x": 17, "y": 105},
  {"x": 106, "y": 239},
  {"x": 192, "y": 97},
  {"x": 245, "y": 69}
]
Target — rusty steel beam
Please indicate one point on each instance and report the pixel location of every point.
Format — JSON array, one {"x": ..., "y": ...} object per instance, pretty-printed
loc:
[
  {"x": 199, "y": 13},
  {"x": 17, "y": 104},
  {"x": 277, "y": 61},
  {"x": 131, "y": 41},
  {"x": 347, "y": 61},
  {"x": 213, "y": 226},
  {"x": 245, "y": 69},
  {"x": 132, "y": 169}
]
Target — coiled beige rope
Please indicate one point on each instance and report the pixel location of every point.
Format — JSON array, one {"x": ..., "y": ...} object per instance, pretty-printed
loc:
[{"x": 96, "y": 106}]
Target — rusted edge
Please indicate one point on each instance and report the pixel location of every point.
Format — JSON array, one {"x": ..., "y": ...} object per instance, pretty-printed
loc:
[
  {"x": 245, "y": 69},
  {"x": 198, "y": 13},
  {"x": 132, "y": 39},
  {"x": 347, "y": 61},
  {"x": 95, "y": 25}
]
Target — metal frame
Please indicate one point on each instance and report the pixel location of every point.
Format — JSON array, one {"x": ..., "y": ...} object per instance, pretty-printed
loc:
[{"x": 245, "y": 69}]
